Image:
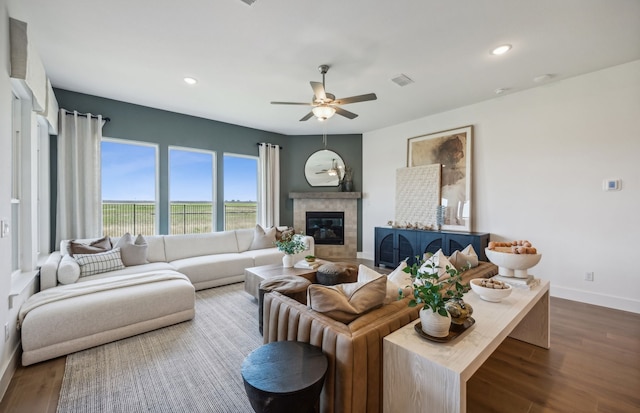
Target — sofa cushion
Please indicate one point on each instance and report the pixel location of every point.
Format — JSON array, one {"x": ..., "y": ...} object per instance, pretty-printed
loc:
[
  {"x": 178, "y": 247},
  {"x": 133, "y": 252},
  {"x": 91, "y": 264},
  {"x": 345, "y": 302},
  {"x": 92, "y": 247},
  {"x": 440, "y": 262},
  {"x": 68, "y": 270},
  {"x": 263, "y": 238},
  {"x": 265, "y": 256},
  {"x": 211, "y": 267},
  {"x": 397, "y": 281},
  {"x": 465, "y": 258}
]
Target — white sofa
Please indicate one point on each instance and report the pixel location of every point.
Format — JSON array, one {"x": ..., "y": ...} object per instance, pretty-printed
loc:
[
  {"x": 97, "y": 309},
  {"x": 208, "y": 260}
]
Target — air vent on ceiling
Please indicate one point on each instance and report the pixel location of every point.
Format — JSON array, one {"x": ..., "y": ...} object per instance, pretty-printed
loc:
[
  {"x": 402, "y": 80},
  {"x": 248, "y": 2}
]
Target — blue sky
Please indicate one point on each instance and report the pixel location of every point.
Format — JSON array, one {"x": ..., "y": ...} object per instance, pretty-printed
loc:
[{"x": 129, "y": 173}]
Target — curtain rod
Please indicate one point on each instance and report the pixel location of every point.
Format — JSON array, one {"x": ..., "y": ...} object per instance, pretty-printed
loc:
[
  {"x": 92, "y": 116},
  {"x": 260, "y": 143}
]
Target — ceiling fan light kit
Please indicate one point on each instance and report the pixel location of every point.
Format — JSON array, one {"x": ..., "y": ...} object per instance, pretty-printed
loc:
[{"x": 324, "y": 105}]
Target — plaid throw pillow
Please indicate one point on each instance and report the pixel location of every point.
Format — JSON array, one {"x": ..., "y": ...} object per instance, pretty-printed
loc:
[{"x": 92, "y": 264}]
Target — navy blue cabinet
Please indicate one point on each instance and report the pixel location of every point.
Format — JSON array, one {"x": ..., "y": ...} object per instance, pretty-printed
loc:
[{"x": 393, "y": 245}]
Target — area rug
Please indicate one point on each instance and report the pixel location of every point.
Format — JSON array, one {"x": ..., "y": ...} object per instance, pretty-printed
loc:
[{"x": 189, "y": 367}]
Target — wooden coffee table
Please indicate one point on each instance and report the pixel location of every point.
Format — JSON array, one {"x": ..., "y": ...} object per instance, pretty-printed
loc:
[{"x": 254, "y": 275}]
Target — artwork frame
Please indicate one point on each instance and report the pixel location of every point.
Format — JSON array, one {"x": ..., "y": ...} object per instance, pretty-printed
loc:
[{"x": 453, "y": 149}]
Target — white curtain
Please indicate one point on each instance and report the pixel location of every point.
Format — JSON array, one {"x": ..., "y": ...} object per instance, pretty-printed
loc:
[
  {"x": 79, "y": 209},
  {"x": 269, "y": 185}
]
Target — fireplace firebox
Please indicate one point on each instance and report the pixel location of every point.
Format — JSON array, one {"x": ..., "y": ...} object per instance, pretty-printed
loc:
[{"x": 326, "y": 227}]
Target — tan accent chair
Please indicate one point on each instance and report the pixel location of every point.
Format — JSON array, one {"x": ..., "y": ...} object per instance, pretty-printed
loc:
[{"x": 354, "y": 377}]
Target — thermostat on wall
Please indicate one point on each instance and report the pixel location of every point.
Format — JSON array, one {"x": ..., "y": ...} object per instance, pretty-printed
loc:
[{"x": 611, "y": 185}]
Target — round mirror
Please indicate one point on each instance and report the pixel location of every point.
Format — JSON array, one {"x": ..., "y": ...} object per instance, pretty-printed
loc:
[{"x": 324, "y": 168}]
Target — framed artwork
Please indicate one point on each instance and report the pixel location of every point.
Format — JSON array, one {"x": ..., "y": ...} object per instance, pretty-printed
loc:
[{"x": 453, "y": 151}]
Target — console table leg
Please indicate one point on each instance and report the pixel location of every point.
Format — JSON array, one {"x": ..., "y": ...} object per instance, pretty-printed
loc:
[{"x": 535, "y": 327}]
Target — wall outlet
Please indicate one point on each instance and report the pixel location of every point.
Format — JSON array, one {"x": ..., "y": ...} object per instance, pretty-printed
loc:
[
  {"x": 588, "y": 276},
  {"x": 6, "y": 332}
]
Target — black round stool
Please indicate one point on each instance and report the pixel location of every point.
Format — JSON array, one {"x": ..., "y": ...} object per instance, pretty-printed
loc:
[{"x": 284, "y": 377}]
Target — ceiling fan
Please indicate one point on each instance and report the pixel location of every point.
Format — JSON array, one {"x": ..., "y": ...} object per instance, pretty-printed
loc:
[
  {"x": 333, "y": 171},
  {"x": 325, "y": 105}
]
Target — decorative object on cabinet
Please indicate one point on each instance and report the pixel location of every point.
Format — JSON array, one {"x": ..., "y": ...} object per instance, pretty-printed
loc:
[
  {"x": 418, "y": 194},
  {"x": 393, "y": 245},
  {"x": 513, "y": 265},
  {"x": 453, "y": 150}
]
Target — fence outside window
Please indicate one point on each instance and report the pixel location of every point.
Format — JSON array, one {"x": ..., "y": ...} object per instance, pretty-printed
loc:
[{"x": 120, "y": 217}]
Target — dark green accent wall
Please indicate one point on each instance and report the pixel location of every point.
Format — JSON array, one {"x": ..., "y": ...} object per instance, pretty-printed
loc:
[{"x": 145, "y": 124}]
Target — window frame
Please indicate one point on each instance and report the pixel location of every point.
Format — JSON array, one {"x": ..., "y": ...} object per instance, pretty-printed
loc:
[{"x": 240, "y": 155}]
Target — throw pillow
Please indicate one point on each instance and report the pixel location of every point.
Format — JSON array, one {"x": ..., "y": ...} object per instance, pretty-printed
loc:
[
  {"x": 68, "y": 270},
  {"x": 395, "y": 281},
  {"x": 100, "y": 245},
  {"x": 133, "y": 252},
  {"x": 282, "y": 231},
  {"x": 465, "y": 258},
  {"x": 92, "y": 264},
  {"x": 263, "y": 238},
  {"x": 439, "y": 262},
  {"x": 346, "y": 302}
]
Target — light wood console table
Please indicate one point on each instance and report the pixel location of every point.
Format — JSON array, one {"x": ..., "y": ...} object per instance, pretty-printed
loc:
[{"x": 425, "y": 376}]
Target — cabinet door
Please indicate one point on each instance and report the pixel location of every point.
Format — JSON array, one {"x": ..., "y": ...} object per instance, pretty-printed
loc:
[
  {"x": 384, "y": 244},
  {"x": 460, "y": 242},
  {"x": 406, "y": 246},
  {"x": 430, "y": 242}
]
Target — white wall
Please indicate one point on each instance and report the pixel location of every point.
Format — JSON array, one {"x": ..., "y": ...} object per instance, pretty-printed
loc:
[{"x": 539, "y": 159}]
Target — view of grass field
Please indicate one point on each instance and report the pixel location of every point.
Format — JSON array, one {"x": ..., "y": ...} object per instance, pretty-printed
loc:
[{"x": 186, "y": 217}]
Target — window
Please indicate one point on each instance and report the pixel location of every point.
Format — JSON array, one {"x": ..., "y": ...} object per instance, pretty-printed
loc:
[
  {"x": 16, "y": 155},
  {"x": 191, "y": 189},
  {"x": 129, "y": 187},
  {"x": 240, "y": 191}
]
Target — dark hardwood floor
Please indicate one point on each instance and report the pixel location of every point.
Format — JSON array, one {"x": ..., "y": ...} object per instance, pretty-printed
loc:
[{"x": 593, "y": 366}]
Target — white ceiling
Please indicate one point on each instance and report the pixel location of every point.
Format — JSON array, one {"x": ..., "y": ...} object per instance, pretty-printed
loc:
[{"x": 244, "y": 56}]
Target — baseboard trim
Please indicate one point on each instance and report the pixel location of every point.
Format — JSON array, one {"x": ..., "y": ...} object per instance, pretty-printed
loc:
[
  {"x": 9, "y": 371},
  {"x": 602, "y": 300}
]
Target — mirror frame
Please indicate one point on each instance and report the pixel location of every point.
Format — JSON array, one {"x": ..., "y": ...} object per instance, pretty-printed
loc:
[{"x": 317, "y": 163}]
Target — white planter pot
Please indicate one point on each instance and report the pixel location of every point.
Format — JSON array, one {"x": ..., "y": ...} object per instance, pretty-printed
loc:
[
  {"x": 287, "y": 261},
  {"x": 434, "y": 324}
]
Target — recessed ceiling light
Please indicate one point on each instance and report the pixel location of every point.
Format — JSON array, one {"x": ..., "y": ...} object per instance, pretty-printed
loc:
[
  {"x": 501, "y": 49},
  {"x": 542, "y": 78},
  {"x": 501, "y": 90},
  {"x": 190, "y": 81}
]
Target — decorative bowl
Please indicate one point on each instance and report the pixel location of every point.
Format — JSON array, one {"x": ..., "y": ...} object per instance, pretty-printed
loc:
[
  {"x": 513, "y": 265},
  {"x": 490, "y": 294}
]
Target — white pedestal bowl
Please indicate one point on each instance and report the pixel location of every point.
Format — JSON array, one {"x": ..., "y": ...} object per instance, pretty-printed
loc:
[{"x": 513, "y": 265}]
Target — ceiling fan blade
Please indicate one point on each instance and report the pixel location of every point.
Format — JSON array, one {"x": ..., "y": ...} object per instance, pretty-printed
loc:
[
  {"x": 318, "y": 90},
  {"x": 354, "y": 99},
  {"x": 290, "y": 103},
  {"x": 345, "y": 113},
  {"x": 307, "y": 116}
]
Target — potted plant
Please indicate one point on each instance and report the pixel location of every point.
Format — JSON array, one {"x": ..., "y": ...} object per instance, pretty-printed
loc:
[
  {"x": 433, "y": 292},
  {"x": 290, "y": 244}
]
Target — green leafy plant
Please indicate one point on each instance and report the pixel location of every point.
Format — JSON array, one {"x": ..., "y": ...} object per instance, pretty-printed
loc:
[
  {"x": 429, "y": 289},
  {"x": 291, "y": 243}
]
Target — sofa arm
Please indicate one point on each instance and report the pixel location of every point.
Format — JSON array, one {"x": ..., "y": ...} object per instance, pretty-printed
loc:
[
  {"x": 49, "y": 271},
  {"x": 354, "y": 377}
]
